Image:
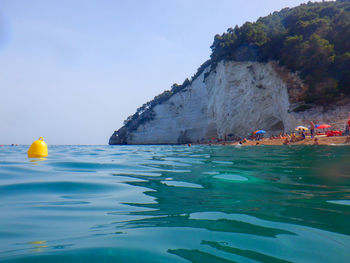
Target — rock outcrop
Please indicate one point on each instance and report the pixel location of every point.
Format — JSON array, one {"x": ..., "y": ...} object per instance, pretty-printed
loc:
[{"x": 233, "y": 99}]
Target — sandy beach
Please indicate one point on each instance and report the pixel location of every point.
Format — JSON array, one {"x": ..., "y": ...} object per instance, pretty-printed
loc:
[{"x": 337, "y": 140}]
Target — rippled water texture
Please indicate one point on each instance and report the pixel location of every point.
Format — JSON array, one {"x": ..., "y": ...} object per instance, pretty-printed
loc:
[{"x": 175, "y": 204}]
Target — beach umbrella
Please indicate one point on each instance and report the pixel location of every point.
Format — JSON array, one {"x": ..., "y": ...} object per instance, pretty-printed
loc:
[
  {"x": 301, "y": 128},
  {"x": 260, "y": 132},
  {"x": 323, "y": 126}
]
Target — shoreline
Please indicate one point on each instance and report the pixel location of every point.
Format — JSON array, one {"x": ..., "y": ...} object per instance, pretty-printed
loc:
[{"x": 322, "y": 140}]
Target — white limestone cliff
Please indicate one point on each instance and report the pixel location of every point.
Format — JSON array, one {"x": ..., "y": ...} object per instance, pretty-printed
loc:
[{"x": 235, "y": 98}]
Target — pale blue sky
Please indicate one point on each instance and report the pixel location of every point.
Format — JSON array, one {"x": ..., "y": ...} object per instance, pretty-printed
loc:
[{"x": 73, "y": 70}]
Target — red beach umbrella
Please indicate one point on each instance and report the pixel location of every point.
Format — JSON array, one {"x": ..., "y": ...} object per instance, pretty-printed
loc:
[{"x": 323, "y": 126}]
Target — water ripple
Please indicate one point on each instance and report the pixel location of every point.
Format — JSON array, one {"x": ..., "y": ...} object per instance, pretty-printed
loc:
[{"x": 175, "y": 204}]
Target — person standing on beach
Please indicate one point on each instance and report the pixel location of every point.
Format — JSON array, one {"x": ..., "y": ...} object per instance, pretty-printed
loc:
[
  {"x": 347, "y": 128},
  {"x": 312, "y": 129}
]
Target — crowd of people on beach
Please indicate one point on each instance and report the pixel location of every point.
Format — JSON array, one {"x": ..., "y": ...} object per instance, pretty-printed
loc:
[
  {"x": 300, "y": 135},
  {"x": 315, "y": 132}
]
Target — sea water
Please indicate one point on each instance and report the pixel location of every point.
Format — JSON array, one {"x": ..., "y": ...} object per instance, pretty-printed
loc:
[{"x": 175, "y": 204}]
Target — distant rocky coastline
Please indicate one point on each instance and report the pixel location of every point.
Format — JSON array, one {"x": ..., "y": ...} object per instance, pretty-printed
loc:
[
  {"x": 285, "y": 70},
  {"x": 233, "y": 100}
]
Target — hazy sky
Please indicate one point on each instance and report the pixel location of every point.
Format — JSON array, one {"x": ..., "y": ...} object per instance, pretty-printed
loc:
[{"x": 73, "y": 70}]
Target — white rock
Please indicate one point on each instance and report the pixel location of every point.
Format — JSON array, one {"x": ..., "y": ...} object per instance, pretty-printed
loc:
[{"x": 236, "y": 98}]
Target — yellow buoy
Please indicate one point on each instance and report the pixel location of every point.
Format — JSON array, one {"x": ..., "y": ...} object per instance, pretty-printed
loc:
[{"x": 38, "y": 149}]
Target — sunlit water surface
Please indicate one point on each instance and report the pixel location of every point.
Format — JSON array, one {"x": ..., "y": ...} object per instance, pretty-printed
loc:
[{"x": 175, "y": 204}]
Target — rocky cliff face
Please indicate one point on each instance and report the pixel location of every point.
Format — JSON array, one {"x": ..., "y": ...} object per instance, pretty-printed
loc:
[{"x": 235, "y": 98}]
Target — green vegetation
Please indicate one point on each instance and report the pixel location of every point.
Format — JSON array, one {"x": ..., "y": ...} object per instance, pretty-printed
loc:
[{"x": 312, "y": 39}]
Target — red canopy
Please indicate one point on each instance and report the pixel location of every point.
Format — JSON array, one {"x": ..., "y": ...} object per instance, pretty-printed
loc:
[{"x": 323, "y": 126}]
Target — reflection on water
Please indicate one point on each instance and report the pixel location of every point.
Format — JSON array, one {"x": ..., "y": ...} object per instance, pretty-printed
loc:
[
  {"x": 176, "y": 204},
  {"x": 35, "y": 161}
]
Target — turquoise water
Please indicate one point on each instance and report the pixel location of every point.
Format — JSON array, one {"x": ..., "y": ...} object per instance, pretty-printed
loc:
[{"x": 176, "y": 204}]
